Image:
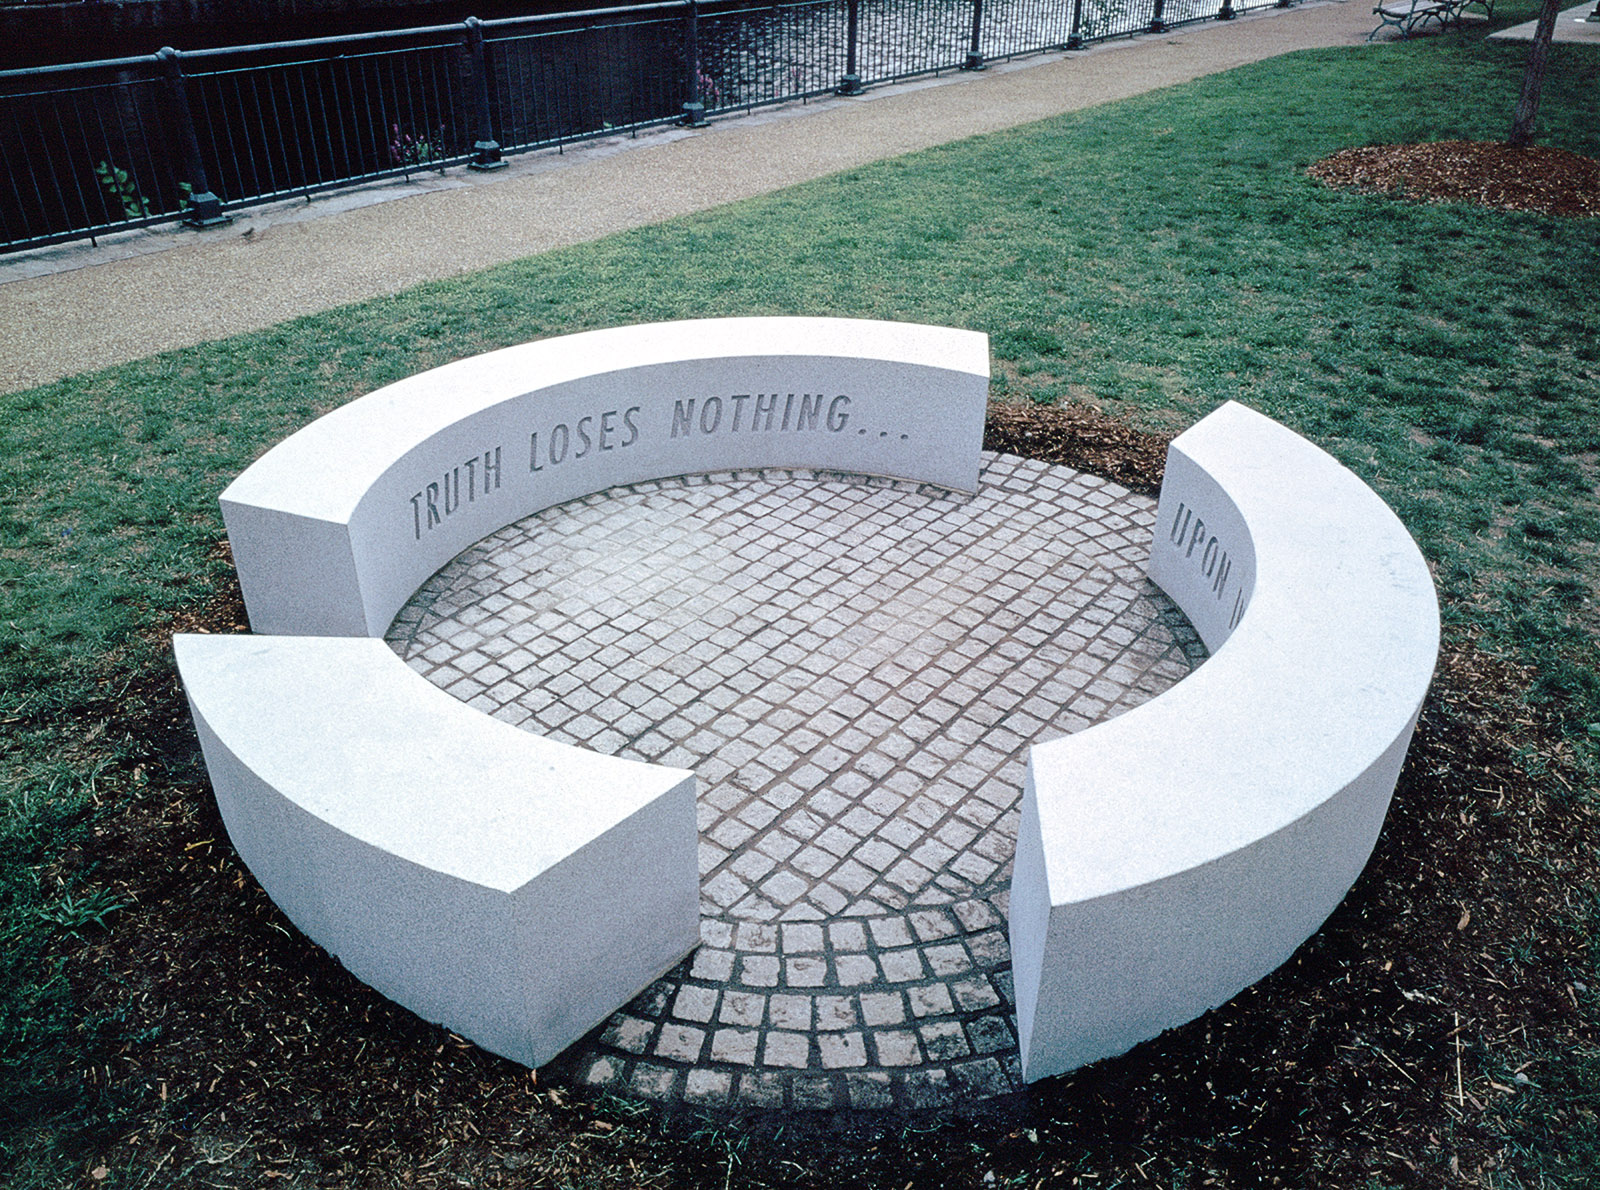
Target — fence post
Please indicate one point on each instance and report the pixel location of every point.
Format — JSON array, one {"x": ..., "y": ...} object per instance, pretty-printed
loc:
[
  {"x": 694, "y": 110},
  {"x": 974, "y": 57},
  {"x": 485, "y": 149},
  {"x": 205, "y": 208},
  {"x": 1226, "y": 13},
  {"x": 851, "y": 83},
  {"x": 1075, "y": 38},
  {"x": 1157, "y": 25}
]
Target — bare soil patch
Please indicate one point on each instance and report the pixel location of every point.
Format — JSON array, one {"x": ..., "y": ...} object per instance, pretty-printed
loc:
[{"x": 1488, "y": 173}]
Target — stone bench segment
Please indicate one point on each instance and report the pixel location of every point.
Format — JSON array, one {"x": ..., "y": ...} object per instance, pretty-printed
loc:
[
  {"x": 1171, "y": 857},
  {"x": 513, "y": 889},
  {"x": 335, "y": 527}
]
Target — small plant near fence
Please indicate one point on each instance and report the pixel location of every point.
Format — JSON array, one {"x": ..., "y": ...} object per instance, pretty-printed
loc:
[
  {"x": 710, "y": 93},
  {"x": 123, "y": 191},
  {"x": 416, "y": 151}
]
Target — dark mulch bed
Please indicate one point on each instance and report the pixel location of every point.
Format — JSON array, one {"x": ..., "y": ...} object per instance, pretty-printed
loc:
[
  {"x": 229, "y": 1051},
  {"x": 1488, "y": 173},
  {"x": 1081, "y": 437}
]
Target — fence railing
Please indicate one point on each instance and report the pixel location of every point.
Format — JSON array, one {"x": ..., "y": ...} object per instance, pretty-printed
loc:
[{"x": 94, "y": 147}]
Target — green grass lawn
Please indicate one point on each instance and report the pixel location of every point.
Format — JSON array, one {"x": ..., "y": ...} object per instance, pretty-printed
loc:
[{"x": 1153, "y": 258}]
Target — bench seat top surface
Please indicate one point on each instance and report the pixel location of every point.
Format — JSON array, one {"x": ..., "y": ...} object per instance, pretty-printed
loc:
[
  {"x": 347, "y": 449},
  {"x": 345, "y": 730},
  {"x": 1329, "y": 664}
]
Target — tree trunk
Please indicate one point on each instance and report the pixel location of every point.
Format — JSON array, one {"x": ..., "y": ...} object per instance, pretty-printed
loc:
[{"x": 1533, "y": 77}]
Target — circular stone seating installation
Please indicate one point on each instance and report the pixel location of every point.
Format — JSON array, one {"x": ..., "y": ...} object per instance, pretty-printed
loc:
[
  {"x": 854, "y": 670},
  {"x": 519, "y": 890}
]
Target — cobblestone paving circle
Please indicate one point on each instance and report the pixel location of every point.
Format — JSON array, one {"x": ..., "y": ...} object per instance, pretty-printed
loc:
[{"x": 854, "y": 669}]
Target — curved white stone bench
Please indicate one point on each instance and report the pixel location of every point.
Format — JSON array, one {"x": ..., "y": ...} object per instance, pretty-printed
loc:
[
  {"x": 335, "y": 527},
  {"x": 514, "y": 889},
  {"x": 1171, "y": 857}
]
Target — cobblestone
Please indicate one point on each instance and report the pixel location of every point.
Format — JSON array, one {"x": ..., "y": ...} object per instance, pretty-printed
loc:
[{"x": 855, "y": 669}]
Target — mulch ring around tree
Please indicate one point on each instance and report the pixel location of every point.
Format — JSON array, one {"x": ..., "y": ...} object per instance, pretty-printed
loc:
[{"x": 1489, "y": 173}]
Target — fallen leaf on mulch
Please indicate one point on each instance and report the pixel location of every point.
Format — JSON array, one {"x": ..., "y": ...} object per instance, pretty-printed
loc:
[{"x": 1489, "y": 173}]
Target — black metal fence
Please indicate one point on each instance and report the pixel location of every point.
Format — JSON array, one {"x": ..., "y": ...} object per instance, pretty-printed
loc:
[{"x": 93, "y": 147}]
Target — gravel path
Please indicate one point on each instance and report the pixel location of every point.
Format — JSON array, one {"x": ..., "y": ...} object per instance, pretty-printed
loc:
[{"x": 177, "y": 287}]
